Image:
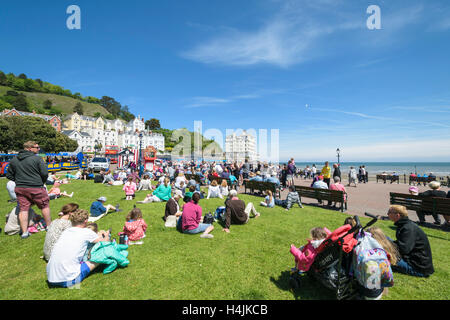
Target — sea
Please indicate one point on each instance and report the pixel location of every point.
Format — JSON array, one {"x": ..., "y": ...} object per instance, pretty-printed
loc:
[{"x": 440, "y": 169}]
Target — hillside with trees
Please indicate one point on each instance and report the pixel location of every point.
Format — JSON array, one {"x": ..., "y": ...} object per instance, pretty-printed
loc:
[{"x": 26, "y": 94}]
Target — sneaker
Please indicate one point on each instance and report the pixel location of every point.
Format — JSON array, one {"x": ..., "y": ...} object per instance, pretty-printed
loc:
[
  {"x": 25, "y": 235},
  {"x": 206, "y": 235}
]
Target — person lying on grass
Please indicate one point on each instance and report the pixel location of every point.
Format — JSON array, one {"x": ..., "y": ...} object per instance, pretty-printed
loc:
[
  {"x": 55, "y": 192},
  {"x": 98, "y": 207},
  {"x": 66, "y": 267}
]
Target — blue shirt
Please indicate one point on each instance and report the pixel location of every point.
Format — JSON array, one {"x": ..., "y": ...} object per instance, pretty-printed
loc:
[{"x": 97, "y": 209}]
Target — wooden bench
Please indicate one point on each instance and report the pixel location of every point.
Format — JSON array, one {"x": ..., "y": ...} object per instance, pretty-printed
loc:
[
  {"x": 420, "y": 180},
  {"x": 195, "y": 177},
  {"x": 219, "y": 181},
  {"x": 323, "y": 194},
  {"x": 421, "y": 203},
  {"x": 388, "y": 177},
  {"x": 262, "y": 186}
]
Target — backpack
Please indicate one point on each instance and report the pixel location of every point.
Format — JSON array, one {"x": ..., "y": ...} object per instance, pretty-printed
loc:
[
  {"x": 98, "y": 178},
  {"x": 371, "y": 265},
  {"x": 208, "y": 218},
  {"x": 220, "y": 213}
]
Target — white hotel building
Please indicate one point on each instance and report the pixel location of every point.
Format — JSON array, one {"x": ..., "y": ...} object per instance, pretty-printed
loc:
[
  {"x": 89, "y": 131},
  {"x": 241, "y": 147}
]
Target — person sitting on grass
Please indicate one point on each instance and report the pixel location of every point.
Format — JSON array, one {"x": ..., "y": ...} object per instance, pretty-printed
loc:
[
  {"x": 98, "y": 208},
  {"x": 214, "y": 190},
  {"x": 190, "y": 221},
  {"x": 65, "y": 267},
  {"x": 145, "y": 183},
  {"x": 129, "y": 188},
  {"x": 236, "y": 212},
  {"x": 415, "y": 251},
  {"x": 135, "y": 225},
  {"x": 12, "y": 225},
  {"x": 305, "y": 255},
  {"x": 291, "y": 199},
  {"x": 224, "y": 189},
  {"x": 57, "y": 227},
  {"x": 162, "y": 193},
  {"x": 172, "y": 206},
  {"x": 269, "y": 200}
]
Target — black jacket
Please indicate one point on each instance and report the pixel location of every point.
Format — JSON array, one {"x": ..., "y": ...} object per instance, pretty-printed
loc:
[
  {"x": 414, "y": 247},
  {"x": 28, "y": 170},
  {"x": 235, "y": 212}
]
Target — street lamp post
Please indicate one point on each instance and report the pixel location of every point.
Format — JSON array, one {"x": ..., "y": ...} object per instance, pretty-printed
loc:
[
  {"x": 140, "y": 153},
  {"x": 95, "y": 148},
  {"x": 338, "y": 154}
]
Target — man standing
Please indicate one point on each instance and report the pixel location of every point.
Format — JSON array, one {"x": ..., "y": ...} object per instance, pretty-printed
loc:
[
  {"x": 337, "y": 171},
  {"x": 30, "y": 173},
  {"x": 413, "y": 245},
  {"x": 326, "y": 173}
]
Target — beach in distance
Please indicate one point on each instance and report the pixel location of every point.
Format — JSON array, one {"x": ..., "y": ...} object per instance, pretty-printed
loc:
[{"x": 440, "y": 169}]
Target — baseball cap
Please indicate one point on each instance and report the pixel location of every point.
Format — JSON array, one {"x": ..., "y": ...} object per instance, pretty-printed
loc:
[{"x": 102, "y": 199}]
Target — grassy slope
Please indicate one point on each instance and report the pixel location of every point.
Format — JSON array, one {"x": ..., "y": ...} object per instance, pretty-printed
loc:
[
  {"x": 251, "y": 262},
  {"x": 65, "y": 104}
]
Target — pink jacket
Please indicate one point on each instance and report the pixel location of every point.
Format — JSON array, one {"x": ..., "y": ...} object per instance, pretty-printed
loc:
[
  {"x": 135, "y": 230},
  {"x": 129, "y": 188},
  {"x": 304, "y": 258}
]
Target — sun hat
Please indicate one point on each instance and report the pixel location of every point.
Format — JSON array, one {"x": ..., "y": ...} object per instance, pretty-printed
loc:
[
  {"x": 102, "y": 199},
  {"x": 413, "y": 189},
  {"x": 178, "y": 193}
]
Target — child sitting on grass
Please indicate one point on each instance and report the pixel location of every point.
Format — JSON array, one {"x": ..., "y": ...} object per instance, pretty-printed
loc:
[
  {"x": 135, "y": 225},
  {"x": 269, "y": 200},
  {"x": 129, "y": 188},
  {"x": 304, "y": 256}
]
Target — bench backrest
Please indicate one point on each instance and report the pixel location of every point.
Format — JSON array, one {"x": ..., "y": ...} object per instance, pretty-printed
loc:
[
  {"x": 190, "y": 176},
  {"x": 260, "y": 185},
  {"x": 421, "y": 203},
  {"x": 219, "y": 179},
  {"x": 320, "y": 194}
]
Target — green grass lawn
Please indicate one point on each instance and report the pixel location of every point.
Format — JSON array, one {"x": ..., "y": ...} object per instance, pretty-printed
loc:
[{"x": 252, "y": 262}]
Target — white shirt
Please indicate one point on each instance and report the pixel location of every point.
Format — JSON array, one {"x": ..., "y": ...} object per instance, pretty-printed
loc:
[
  {"x": 67, "y": 254},
  {"x": 214, "y": 192}
]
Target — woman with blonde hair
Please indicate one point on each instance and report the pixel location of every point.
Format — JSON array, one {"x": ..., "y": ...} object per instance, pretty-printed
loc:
[
  {"x": 162, "y": 193},
  {"x": 388, "y": 245},
  {"x": 224, "y": 190},
  {"x": 269, "y": 200},
  {"x": 214, "y": 190}
]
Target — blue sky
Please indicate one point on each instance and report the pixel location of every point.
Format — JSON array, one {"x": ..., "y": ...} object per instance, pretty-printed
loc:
[{"x": 311, "y": 69}]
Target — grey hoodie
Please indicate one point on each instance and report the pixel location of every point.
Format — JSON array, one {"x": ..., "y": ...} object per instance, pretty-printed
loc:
[{"x": 28, "y": 170}]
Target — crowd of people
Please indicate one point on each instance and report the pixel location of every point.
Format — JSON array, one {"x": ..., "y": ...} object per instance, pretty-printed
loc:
[{"x": 70, "y": 238}]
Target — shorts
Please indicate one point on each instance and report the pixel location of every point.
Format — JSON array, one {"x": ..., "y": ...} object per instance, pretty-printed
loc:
[
  {"x": 201, "y": 228},
  {"x": 289, "y": 177},
  {"x": 26, "y": 197},
  {"x": 84, "y": 272}
]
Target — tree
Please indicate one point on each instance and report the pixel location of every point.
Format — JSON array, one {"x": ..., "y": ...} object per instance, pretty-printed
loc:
[
  {"x": 21, "y": 129},
  {"x": 22, "y": 76},
  {"x": 3, "y": 79},
  {"x": 78, "y": 108},
  {"x": 152, "y": 124},
  {"x": 20, "y": 103},
  {"x": 47, "y": 104}
]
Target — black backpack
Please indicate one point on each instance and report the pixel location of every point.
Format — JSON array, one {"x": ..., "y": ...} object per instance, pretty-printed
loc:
[
  {"x": 208, "y": 218},
  {"x": 98, "y": 178}
]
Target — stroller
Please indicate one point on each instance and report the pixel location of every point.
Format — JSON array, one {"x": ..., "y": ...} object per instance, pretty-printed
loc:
[{"x": 332, "y": 266}]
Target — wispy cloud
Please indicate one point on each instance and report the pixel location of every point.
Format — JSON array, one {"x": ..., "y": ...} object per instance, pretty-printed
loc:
[
  {"x": 197, "y": 102},
  {"x": 286, "y": 39}
]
